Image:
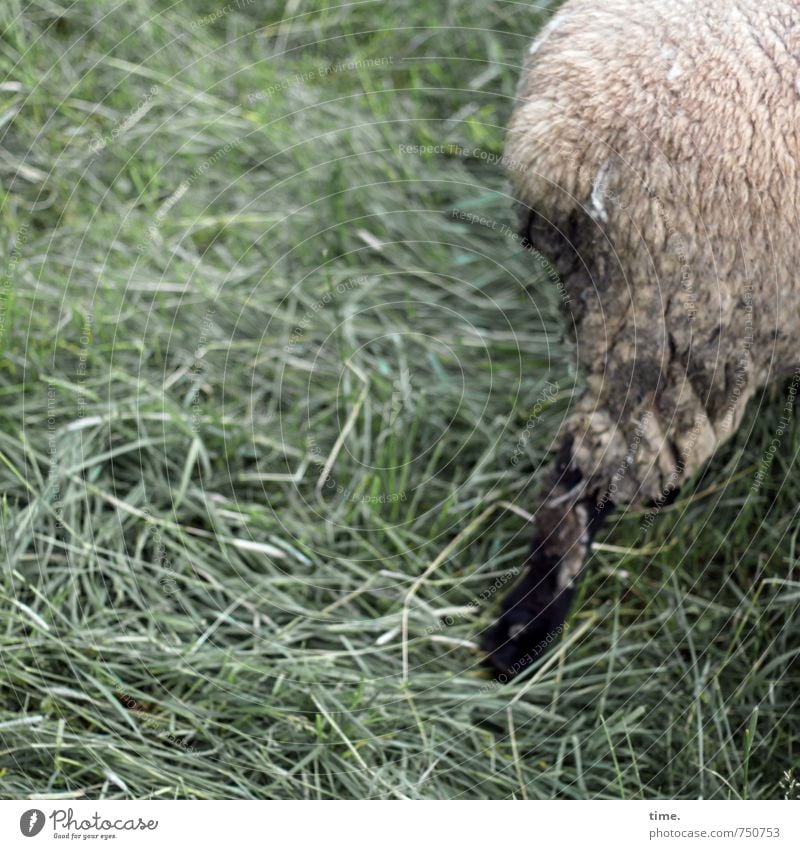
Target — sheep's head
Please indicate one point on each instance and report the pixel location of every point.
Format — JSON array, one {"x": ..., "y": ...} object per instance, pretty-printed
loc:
[
  {"x": 534, "y": 611},
  {"x": 532, "y": 619}
]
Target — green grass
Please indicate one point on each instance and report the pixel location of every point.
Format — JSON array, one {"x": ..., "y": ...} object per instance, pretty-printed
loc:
[{"x": 222, "y": 281}]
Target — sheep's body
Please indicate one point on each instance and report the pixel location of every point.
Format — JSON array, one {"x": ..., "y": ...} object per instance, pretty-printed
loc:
[{"x": 655, "y": 152}]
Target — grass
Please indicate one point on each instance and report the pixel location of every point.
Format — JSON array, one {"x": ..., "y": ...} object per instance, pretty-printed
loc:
[{"x": 266, "y": 376}]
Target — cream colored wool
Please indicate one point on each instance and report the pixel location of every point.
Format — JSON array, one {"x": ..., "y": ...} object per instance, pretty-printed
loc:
[{"x": 654, "y": 149}]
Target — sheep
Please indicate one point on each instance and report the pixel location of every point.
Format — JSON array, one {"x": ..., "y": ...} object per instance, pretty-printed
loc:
[{"x": 654, "y": 154}]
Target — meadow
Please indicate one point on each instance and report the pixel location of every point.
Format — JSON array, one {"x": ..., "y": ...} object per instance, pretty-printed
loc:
[{"x": 277, "y": 385}]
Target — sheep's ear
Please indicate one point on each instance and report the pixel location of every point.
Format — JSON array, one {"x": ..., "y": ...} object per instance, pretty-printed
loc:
[
  {"x": 559, "y": 239},
  {"x": 563, "y": 244}
]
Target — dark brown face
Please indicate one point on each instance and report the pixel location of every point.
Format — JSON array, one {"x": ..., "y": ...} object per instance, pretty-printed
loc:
[
  {"x": 533, "y": 613},
  {"x": 531, "y": 621}
]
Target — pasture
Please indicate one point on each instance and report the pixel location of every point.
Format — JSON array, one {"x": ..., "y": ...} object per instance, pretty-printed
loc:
[{"x": 277, "y": 384}]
